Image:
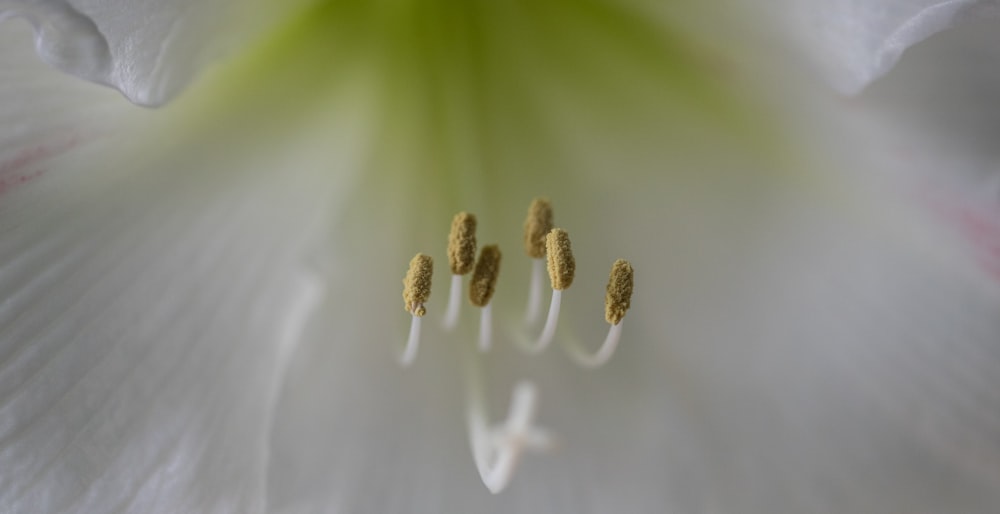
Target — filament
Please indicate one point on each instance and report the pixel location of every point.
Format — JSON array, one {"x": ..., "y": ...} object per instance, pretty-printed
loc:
[
  {"x": 486, "y": 328},
  {"x": 409, "y": 353},
  {"x": 535, "y": 292},
  {"x": 603, "y": 354},
  {"x": 454, "y": 304},
  {"x": 551, "y": 321},
  {"x": 548, "y": 331}
]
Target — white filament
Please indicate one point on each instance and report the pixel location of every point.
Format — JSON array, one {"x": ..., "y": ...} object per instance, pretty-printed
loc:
[
  {"x": 535, "y": 292},
  {"x": 551, "y": 321},
  {"x": 603, "y": 354},
  {"x": 454, "y": 304},
  {"x": 412, "y": 343},
  {"x": 486, "y": 328},
  {"x": 548, "y": 332}
]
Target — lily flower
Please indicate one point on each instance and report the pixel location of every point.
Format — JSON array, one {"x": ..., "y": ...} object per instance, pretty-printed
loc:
[{"x": 199, "y": 303}]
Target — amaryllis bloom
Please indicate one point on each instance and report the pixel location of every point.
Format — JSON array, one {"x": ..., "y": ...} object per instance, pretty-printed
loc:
[{"x": 200, "y": 301}]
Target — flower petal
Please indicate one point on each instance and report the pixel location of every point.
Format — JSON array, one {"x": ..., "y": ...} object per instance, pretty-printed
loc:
[
  {"x": 150, "y": 49},
  {"x": 154, "y": 283},
  {"x": 799, "y": 343},
  {"x": 46, "y": 113},
  {"x": 930, "y": 127},
  {"x": 853, "y": 42}
]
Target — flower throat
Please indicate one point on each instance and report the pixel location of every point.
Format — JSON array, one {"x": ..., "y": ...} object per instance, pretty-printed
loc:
[{"x": 497, "y": 449}]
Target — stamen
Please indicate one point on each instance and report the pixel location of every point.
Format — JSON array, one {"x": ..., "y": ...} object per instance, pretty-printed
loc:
[
  {"x": 537, "y": 226},
  {"x": 461, "y": 259},
  {"x": 562, "y": 268},
  {"x": 616, "y": 302},
  {"x": 416, "y": 291},
  {"x": 481, "y": 288}
]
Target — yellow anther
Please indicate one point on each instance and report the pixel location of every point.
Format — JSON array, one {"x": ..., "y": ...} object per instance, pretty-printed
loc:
[
  {"x": 417, "y": 284},
  {"x": 562, "y": 266},
  {"x": 484, "y": 278},
  {"x": 619, "y": 296},
  {"x": 462, "y": 243},
  {"x": 537, "y": 226}
]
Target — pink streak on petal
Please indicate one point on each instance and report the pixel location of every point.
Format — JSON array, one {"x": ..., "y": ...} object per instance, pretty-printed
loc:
[
  {"x": 24, "y": 167},
  {"x": 978, "y": 223}
]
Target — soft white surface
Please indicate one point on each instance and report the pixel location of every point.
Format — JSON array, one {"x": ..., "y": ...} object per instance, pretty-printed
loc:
[
  {"x": 853, "y": 42},
  {"x": 147, "y": 49},
  {"x": 193, "y": 325},
  {"x": 153, "y": 289}
]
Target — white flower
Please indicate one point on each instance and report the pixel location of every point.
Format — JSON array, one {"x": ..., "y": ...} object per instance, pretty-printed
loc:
[{"x": 199, "y": 304}]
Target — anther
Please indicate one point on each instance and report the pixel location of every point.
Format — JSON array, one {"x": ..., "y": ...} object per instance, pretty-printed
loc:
[
  {"x": 461, "y": 259},
  {"x": 484, "y": 278},
  {"x": 481, "y": 288},
  {"x": 416, "y": 291},
  {"x": 562, "y": 266},
  {"x": 537, "y": 226},
  {"x": 462, "y": 243},
  {"x": 417, "y": 284},
  {"x": 619, "y": 295}
]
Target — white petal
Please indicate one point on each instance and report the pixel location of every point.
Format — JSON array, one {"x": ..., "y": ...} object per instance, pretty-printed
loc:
[
  {"x": 931, "y": 128},
  {"x": 154, "y": 283},
  {"x": 149, "y": 49},
  {"x": 788, "y": 347},
  {"x": 769, "y": 363},
  {"x": 853, "y": 42},
  {"x": 44, "y": 112}
]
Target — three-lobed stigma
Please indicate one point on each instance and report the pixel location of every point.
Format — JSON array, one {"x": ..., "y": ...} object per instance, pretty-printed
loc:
[{"x": 417, "y": 284}]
